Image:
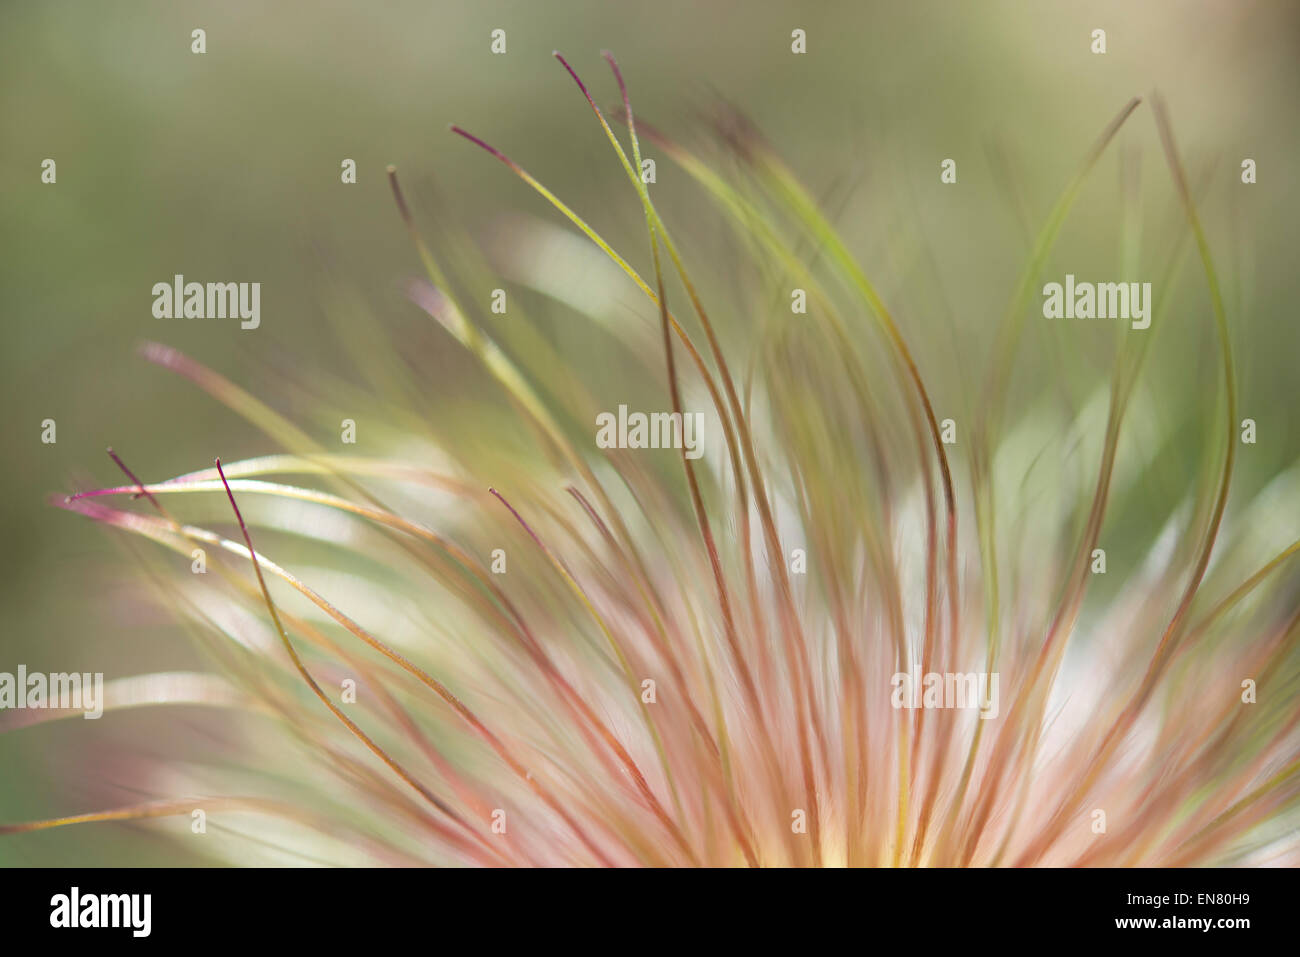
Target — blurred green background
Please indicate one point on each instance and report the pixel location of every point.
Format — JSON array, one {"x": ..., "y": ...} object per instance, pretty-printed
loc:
[{"x": 225, "y": 167}]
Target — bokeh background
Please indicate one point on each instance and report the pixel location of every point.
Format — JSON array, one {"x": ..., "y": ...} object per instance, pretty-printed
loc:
[{"x": 225, "y": 167}]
